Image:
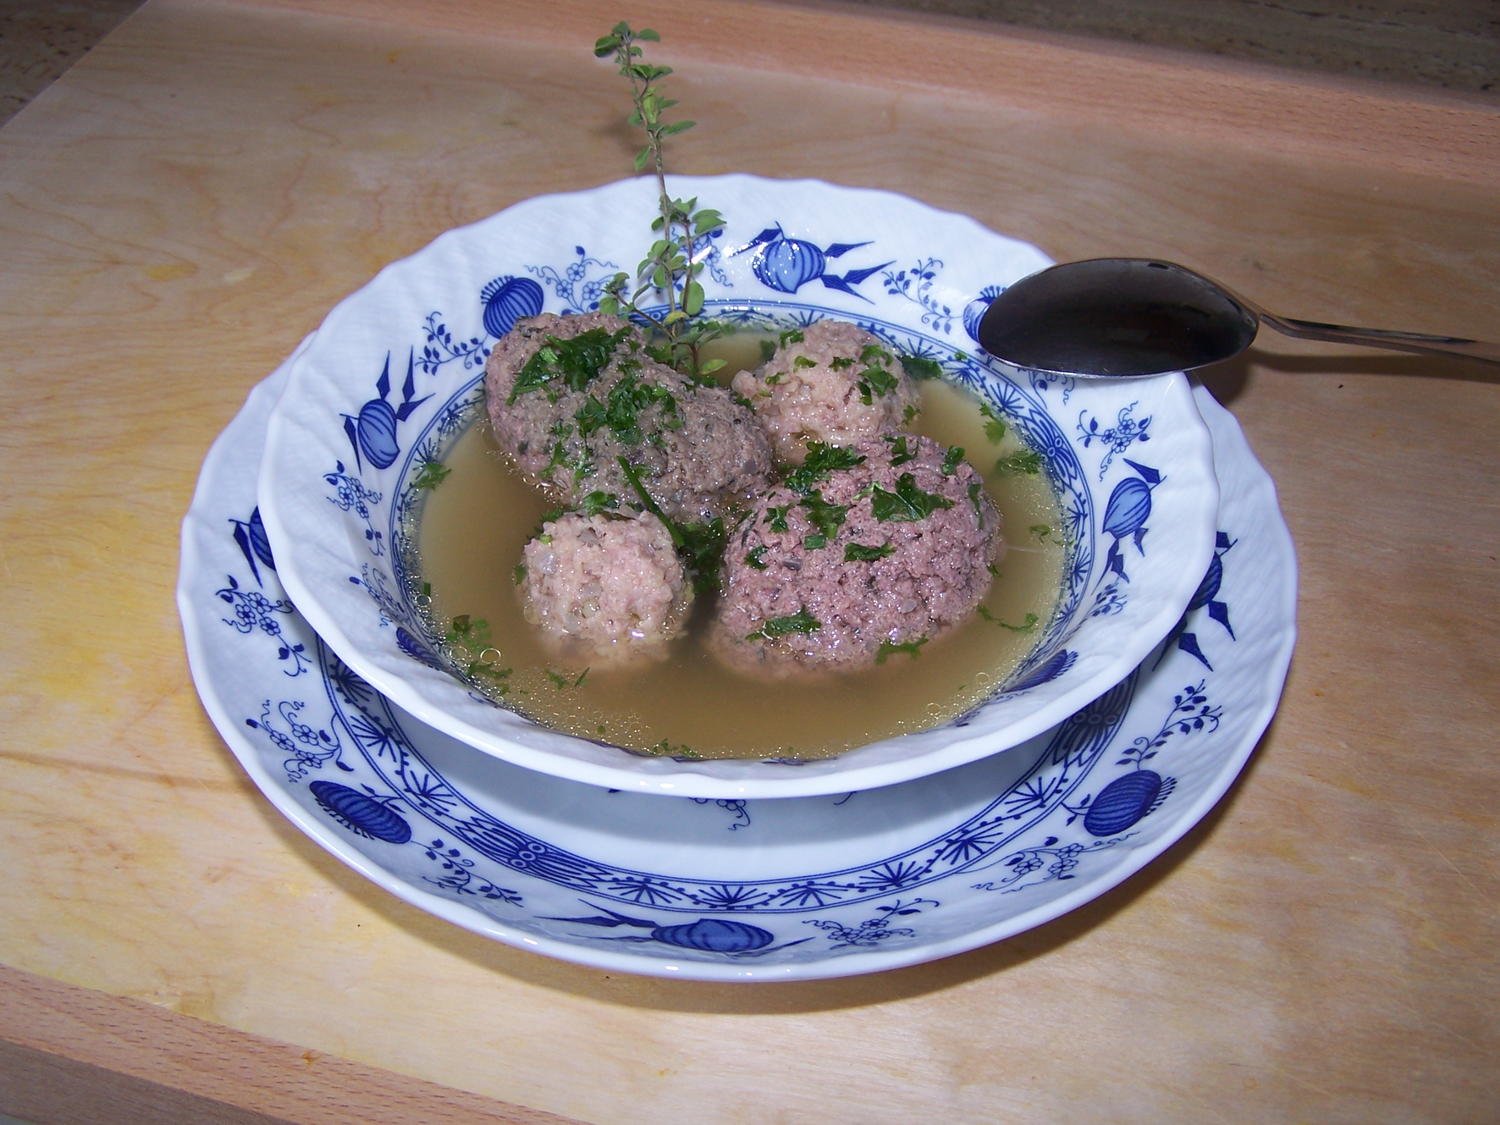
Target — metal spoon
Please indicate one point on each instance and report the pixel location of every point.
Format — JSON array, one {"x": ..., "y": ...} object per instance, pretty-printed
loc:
[{"x": 1129, "y": 317}]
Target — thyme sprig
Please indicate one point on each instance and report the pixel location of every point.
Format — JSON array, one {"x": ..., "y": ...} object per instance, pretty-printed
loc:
[{"x": 674, "y": 262}]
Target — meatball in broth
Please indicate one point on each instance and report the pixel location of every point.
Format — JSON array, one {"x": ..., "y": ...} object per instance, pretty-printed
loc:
[{"x": 831, "y": 382}]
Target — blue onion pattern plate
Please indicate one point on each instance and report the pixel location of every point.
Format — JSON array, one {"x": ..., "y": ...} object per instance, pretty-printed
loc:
[
  {"x": 390, "y": 376},
  {"x": 726, "y": 889}
]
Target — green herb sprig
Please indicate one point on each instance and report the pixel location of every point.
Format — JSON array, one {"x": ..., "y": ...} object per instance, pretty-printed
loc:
[{"x": 672, "y": 266}]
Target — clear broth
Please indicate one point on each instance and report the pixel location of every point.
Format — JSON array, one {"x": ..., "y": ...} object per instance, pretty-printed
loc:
[{"x": 475, "y": 523}]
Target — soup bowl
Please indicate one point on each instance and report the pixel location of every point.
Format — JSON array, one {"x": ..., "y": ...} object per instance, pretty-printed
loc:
[{"x": 395, "y": 374}]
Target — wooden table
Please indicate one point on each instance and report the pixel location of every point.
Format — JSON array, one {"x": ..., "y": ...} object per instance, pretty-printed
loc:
[{"x": 182, "y": 207}]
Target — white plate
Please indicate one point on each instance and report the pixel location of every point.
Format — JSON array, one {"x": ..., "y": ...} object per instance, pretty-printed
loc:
[
  {"x": 725, "y": 889},
  {"x": 390, "y": 374}
]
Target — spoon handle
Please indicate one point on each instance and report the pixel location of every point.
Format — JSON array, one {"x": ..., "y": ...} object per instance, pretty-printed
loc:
[{"x": 1383, "y": 338}]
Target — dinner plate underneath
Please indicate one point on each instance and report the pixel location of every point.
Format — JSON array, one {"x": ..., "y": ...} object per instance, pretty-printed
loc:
[{"x": 723, "y": 889}]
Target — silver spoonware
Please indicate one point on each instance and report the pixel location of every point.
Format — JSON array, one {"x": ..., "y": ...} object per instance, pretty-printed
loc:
[{"x": 1131, "y": 317}]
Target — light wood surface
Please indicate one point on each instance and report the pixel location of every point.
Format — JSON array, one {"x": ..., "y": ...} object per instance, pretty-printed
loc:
[{"x": 181, "y": 208}]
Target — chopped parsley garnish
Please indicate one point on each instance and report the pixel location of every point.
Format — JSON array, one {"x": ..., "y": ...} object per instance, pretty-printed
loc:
[
  {"x": 519, "y": 574},
  {"x": 920, "y": 367},
  {"x": 1026, "y": 626},
  {"x": 547, "y": 517},
  {"x": 974, "y": 494},
  {"x": 875, "y": 380},
  {"x": 562, "y": 682},
  {"x": 825, "y": 517},
  {"x": 579, "y": 460},
  {"x": 1040, "y": 531},
  {"x": 490, "y": 671},
  {"x": 858, "y": 552},
  {"x": 592, "y": 416},
  {"x": 776, "y": 516},
  {"x": 952, "y": 459},
  {"x": 803, "y": 361},
  {"x": 470, "y": 636},
  {"x": 621, "y": 409},
  {"x": 573, "y": 361},
  {"x": 799, "y": 622},
  {"x": 821, "y": 460},
  {"x": 468, "y": 631},
  {"x": 1027, "y": 461},
  {"x": 430, "y": 475},
  {"x": 598, "y": 501},
  {"x": 994, "y": 425},
  {"x": 907, "y": 504},
  {"x": 756, "y": 557},
  {"x": 699, "y": 545},
  {"x": 791, "y": 336},
  {"x": 901, "y": 452},
  {"x": 890, "y": 648}
]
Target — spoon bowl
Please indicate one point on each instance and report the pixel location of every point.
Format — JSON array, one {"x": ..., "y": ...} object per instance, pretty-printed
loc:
[{"x": 1126, "y": 318}]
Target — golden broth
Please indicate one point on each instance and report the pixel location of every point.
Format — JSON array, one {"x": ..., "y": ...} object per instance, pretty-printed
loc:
[{"x": 474, "y": 525}]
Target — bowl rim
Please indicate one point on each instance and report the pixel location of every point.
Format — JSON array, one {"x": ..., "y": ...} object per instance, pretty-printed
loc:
[{"x": 731, "y": 778}]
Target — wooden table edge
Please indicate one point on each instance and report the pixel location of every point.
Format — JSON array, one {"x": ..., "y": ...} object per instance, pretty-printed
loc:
[{"x": 77, "y": 1056}]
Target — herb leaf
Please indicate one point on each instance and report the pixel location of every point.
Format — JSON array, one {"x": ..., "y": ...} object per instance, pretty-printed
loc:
[
  {"x": 1029, "y": 624},
  {"x": 826, "y": 517},
  {"x": 858, "y": 552},
  {"x": 622, "y": 408},
  {"x": 901, "y": 451},
  {"x": 430, "y": 475},
  {"x": 677, "y": 256},
  {"x": 799, "y": 622},
  {"x": 875, "y": 379},
  {"x": 907, "y": 504},
  {"x": 821, "y": 460},
  {"x": 994, "y": 425},
  {"x": 920, "y": 367},
  {"x": 598, "y": 501},
  {"x": 575, "y": 361},
  {"x": 1024, "y": 461},
  {"x": 890, "y": 648}
]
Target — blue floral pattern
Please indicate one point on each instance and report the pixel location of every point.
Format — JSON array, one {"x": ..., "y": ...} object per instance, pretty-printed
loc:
[
  {"x": 1088, "y": 790},
  {"x": 916, "y": 284},
  {"x": 914, "y": 301},
  {"x": 1117, "y": 438},
  {"x": 737, "y": 889},
  {"x": 256, "y": 613}
]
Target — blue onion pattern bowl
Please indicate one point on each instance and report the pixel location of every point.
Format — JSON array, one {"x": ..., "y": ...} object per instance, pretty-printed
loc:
[{"x": 396, "y": 368}]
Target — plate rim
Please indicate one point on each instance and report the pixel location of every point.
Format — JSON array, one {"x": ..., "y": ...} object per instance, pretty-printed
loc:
[
  {"x": 572, "y": 759},
  {"x": 845, "y": 964}
]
